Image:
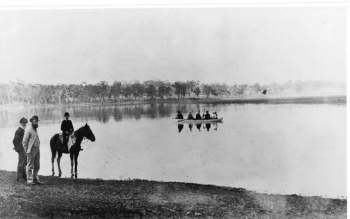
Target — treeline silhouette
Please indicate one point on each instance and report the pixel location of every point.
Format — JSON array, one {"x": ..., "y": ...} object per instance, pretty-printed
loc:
[{"x": 18, "y": 92}]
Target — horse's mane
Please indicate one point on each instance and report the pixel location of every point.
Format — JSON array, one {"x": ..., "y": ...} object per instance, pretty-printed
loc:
[{"x": 78, "y": 131}]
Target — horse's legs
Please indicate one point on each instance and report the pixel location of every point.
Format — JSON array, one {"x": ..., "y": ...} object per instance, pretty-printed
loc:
[
  {"x": 76, "y": 164},
  {"x": 59, "y": 164},
  {"x": 71, "y": 164},
  {"x": 53, "y": 155}
]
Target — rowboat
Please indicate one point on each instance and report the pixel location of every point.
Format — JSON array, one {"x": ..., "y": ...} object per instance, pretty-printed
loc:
[{"x": 197, "y": 121}]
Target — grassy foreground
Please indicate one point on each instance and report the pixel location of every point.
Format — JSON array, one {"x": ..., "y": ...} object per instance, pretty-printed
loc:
[{"x": 81, "y": 198}]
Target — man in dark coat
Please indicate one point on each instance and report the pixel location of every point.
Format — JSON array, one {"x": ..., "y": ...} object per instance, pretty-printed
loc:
[
  {"x": 207, "y": 115},
  {"x": 179, "y": 115},
  {"x": 198, "y": 116},
  {"x": 67, "y": 129},
  {"x": 190, "y": 116},
  {"x": 18, "y": 147}
]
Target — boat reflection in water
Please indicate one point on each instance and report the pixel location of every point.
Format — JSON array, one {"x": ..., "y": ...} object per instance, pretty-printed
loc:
[
  {"x": 180, "y": 127},
  {"x": 199, "y": 126},
  {"x": 190, "y": 126},
  {"x": 207, "y": 126}
]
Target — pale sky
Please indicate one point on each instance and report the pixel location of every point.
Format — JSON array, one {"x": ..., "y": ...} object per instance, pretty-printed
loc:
[{"x": 231, "y": 45}]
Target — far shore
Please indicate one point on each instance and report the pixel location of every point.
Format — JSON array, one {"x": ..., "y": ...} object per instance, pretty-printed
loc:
[
  {"x": 333, "y": 99},
  {"x": 96, "y": 198}
]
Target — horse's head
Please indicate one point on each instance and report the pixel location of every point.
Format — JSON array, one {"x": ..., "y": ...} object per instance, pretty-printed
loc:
[{"x": 88, "y": 133}]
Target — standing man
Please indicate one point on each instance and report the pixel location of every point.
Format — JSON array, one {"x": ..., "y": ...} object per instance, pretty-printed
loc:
[
  {"x": 67, "y": 129},
  {"x": 31, "y": 144},
  {"x": 18, "y": 147}
]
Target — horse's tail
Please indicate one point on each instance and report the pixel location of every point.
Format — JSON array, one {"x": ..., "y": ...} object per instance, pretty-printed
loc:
[{"x": 53, "y": 141}]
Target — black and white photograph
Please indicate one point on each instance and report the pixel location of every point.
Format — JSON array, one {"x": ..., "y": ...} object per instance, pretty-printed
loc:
[{"x": 173, "y": 111}]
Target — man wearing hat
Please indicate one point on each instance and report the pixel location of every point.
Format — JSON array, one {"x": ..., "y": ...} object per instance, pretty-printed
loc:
[
  {"x": 67, "y": 129},
  {"x": 18, "y": 147},
  {"x": 31, "y": 144}
]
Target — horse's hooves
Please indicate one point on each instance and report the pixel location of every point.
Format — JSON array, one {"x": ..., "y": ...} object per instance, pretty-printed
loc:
[
  {"x": 59, "y": 175},
  {"x": 53, "y": 174}
]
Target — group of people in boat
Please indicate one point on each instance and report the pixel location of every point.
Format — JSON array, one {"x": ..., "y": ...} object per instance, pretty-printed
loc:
[{"x": 198, "y": 116}]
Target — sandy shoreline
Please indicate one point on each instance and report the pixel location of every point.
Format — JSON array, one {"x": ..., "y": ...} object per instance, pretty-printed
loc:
[{"x": 68, "y": 198}]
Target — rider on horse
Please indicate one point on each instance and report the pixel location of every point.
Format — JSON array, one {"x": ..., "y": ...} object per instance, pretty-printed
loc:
[{"x": 67, "y": 129}]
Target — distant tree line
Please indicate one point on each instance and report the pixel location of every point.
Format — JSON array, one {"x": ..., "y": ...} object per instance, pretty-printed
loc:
[{"x": 17, "y": 92}]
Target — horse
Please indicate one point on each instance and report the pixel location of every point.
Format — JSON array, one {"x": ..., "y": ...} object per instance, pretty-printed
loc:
[{"x": 56, "y": 146}]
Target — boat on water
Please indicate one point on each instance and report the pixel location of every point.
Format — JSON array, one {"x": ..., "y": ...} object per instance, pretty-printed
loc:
[{"x": 196, "y": 121}]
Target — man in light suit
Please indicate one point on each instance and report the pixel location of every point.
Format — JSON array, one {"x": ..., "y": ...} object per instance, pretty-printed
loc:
[{"x": 31, "y": 144}]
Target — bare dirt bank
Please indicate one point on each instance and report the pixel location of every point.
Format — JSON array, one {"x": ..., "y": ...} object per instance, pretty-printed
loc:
[{"x": 81, "y": 198}]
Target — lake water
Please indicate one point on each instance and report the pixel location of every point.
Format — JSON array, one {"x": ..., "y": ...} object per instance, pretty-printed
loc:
[{"x": 287, "y": 148}]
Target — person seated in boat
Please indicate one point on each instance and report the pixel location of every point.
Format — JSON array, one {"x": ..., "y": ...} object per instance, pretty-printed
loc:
[
  {"x": 207, "y": 115},
  {"x": 190, "y": 116},
  {"x": 215, "y": 115},
  {"x": 179, "y": 115},
  {"x": 198, "y": 116}
]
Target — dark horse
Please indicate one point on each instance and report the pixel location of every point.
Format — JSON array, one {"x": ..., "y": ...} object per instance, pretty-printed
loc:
[{"x": 57, "y": 147}]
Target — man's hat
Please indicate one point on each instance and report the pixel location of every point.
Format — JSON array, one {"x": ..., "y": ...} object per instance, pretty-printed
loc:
[
  {"x": 23, "y": 120},
  {"x": 66, "y": 114},
  {"x": 34, "y": 118}
]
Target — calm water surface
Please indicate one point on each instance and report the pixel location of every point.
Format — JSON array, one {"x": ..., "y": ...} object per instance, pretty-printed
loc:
[{"x": 288, "y": 149}]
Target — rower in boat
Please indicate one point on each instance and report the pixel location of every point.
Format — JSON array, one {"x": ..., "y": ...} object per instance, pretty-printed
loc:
[
  {"x": 190, "y": 116},
  {"x": 179, "y": 115},
  {"x": 215, "y": 115},
  {"x": 198, "y": 116},
  {"x": 207, "y": 115}
]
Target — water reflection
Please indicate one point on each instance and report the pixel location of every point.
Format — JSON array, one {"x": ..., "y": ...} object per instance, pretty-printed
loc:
[
  {"x": 206, "y": 126},
  {"x": 180, "y": 127},
  {"x": 190, "y": 126},
  {"x": 285, "y": 149},
  {"x": 51, "y": 114}
]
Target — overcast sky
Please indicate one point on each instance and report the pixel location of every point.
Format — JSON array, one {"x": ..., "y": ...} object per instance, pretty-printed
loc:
[{"x": 232, "y": 45}]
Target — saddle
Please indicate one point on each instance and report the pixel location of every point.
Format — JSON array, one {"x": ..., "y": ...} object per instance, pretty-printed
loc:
[{"x": 71, "y": 140}]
